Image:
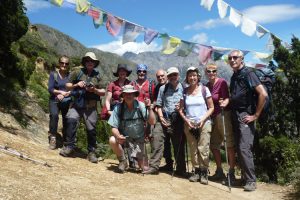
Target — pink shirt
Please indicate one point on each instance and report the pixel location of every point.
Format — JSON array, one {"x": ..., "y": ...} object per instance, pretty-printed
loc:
[{"x": 218, "y": 90}]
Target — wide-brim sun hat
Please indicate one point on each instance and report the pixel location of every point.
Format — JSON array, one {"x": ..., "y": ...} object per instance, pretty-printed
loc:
[
  {"x": 122, "y": 66},
  {"x": 172, "y": 70},
  {"x": 129, "y": 89},
  {"x": 92, "y": 56}
]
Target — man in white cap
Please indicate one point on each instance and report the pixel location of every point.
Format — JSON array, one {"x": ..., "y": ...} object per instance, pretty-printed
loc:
[
  {"x": 127, "y": 122},
  {"x": 168, "y": 97},
  {"x": 85, "y": 86}
]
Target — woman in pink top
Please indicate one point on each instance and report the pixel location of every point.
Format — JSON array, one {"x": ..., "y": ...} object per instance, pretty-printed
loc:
[
  {"x": 114, "y": 89},
  {"x": 220, "y": 95}
]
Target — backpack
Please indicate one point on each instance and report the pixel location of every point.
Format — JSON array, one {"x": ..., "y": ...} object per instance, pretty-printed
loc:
[{"x": 267, "y": 79}]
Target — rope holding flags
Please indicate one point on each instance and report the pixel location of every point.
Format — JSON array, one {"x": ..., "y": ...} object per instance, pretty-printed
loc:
[{"x": 171, "y": 44}]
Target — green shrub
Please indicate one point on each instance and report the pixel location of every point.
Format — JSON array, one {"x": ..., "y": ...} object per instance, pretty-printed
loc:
[
  {"x": 103, "y": 133},
  {"x": 277, "y": 157}
]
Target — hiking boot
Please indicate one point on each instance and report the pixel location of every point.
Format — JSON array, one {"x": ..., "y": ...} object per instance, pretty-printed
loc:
[
  {"x": 166, "y": 168},
  {"x": 204, "y": 177},
  {"x": 151, "y": 170},
  {"x": 180, "y": 173},
  {"x": 250, "y": 186},
  {"x": 195, "y": 177},
  {"x": 52, "y": 142},
  {"x": 122, "y": 166},
  {"x": 66, "y": 151},
  {"x": 218, "y": 176},
  {"x": 231, "y": 176},
  {"x": 92, "y": 157}
]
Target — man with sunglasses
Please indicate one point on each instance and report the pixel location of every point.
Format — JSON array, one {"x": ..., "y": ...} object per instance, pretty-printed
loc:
[
  {"x": 85, "y": 86},
  {"x": 146, "y": 88},
  {"x": 244, "y": 113}
]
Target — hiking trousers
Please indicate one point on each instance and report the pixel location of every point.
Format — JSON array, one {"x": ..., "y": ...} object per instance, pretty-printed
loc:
[
  {"x": 90, "y": 118},
  {"x": 157, "y": 146},
  {"x": 54, "y": 108},
  {"x": 244, "y": 138}
]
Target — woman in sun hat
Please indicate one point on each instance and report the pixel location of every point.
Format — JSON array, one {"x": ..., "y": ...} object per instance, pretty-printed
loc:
[{"x": 114, "y": 90}]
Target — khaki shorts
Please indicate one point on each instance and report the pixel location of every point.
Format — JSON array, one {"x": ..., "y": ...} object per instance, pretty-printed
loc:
[{"x": 217, "y": 134}]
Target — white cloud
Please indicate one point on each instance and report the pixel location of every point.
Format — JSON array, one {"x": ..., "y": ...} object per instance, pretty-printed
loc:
[
  {"x": 273, "y": 13},
  {"x": 208, "y": 24},
  {"x": 200, "y": 38},
  {"x": 118, "y": 48},
  {"x": 33, "y": 5}
]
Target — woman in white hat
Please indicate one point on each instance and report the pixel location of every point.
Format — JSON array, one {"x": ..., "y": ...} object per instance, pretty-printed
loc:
[
  {"x": 114, "y": 90},
  {"x": 196, "y": 106}
]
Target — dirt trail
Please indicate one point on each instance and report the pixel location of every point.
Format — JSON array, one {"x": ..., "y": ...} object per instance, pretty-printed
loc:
[{"x": 76, "y": 178}]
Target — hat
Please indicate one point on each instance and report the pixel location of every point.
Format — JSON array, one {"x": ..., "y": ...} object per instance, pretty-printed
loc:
[
  {"x": 172, "y": 70},
  {"x": 92, "y": 56},
  {"x": 141, "y": 67},
  {"x": 122, "y": 66},
  {"x": 193, "y": 69},
  {"x": 129, "y": 89}
]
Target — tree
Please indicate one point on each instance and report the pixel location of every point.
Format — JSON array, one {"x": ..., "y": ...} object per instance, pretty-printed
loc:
[{"x": 14, "y": 24}]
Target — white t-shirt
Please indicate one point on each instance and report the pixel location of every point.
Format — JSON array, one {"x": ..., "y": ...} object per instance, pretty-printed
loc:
[{"x": 195, "y": 105}]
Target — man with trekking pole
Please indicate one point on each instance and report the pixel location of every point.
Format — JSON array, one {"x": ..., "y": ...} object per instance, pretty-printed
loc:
[{"x": 244, "y": 113}]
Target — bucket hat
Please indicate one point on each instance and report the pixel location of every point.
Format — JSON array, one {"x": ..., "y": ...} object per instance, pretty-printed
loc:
[
  {"x": 129, "y": 89},
  {"x": 122, "y": 66},
  {"x": 92, "y": 56},
  {"x": 172, "y": 70}
]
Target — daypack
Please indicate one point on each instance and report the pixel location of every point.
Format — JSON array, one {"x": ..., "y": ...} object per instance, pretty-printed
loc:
[{"x": 267, "y": 79}]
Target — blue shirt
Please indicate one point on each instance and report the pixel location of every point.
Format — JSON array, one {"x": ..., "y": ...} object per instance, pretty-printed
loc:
[
  {"x": 132, "y": 124},
  {"x": 60, "y": 84},
  {"x": 171, "y": 97}
]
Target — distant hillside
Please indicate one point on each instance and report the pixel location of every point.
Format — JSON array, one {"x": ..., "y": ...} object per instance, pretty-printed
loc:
[
  {"x": 157, "y": 60},
  {"x": 65, "y": 45}
]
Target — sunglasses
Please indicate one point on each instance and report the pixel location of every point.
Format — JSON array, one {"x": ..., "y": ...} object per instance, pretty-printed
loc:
[
  {"x": 211, "y": 71},
  {"x": 233, "y": 57},
  {"x": 64, "y": 63},
  {"x": 142, "y": 71}
]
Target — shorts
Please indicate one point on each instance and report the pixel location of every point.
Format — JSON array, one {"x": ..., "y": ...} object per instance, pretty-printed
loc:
[
  {"x": 217, "y": 134},
  {"x": 135, "y": 147}
]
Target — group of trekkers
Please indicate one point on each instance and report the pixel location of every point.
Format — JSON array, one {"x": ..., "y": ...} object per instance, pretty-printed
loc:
[{"x": 169, "y": 113}]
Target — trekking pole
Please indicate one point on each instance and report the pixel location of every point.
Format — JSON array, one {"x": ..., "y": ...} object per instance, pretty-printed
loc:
[
  {"x": 225, "y": 143},
  {"x": 187, "y": 157},
  {"x": 177, "y": 154},
  {"x": 14, "y": 152}
]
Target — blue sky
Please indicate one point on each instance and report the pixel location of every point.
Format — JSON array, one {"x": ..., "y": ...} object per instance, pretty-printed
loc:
[{"x": 186, "y": 20}]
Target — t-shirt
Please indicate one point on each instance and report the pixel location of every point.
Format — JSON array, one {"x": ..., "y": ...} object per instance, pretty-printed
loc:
[
  {"x": 60, "y": 84},
  {"x": 144, "y": 90},
  {"x": 218, "y": 90},
  {"x": 132, "y": 123},
  {"x": 195, "y": 105},
  {"x": 240, "y": 92},
  {"x": 116, "y": 89}
]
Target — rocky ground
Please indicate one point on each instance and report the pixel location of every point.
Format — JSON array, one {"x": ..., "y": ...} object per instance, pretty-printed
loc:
[{"x": 76, "y": 178}]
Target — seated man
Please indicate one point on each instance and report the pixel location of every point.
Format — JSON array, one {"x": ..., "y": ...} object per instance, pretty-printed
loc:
[{"x": 128, "y": 121}]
